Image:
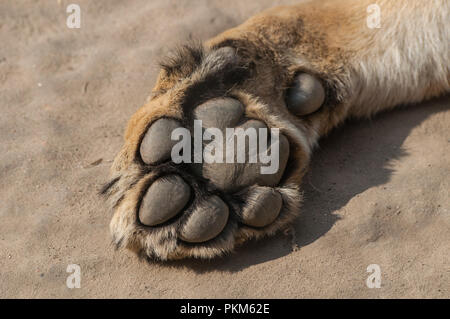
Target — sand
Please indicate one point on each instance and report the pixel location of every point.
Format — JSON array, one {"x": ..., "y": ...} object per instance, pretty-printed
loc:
[{"x": 377, "y": 192}]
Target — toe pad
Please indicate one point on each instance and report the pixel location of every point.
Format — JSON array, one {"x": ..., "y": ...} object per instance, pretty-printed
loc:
[
  {"x": 220, "y": 113},
  {"x": 263, "y": 207},
  {"x": 157, "y": 143},
  {"x": 164, "y": 199},
  {"x": 206, "y": 222},
  {"x": 306, "y": 95}
]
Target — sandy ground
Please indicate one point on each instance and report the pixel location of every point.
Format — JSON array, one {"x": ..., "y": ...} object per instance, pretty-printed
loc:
[{"x": 377, "y": 193}]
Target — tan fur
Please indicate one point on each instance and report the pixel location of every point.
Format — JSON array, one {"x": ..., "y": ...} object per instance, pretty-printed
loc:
[{"x": 365, "y": 70}]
